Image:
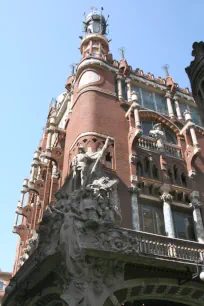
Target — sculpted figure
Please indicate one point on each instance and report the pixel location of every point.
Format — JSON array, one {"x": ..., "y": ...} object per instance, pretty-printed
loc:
[
  {"x": 159, "y": 135},
  {"x": 82, "y": 165},
  {"x": 69, "y": 240}
]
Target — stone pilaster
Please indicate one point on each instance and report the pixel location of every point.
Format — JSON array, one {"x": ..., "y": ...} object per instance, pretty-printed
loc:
[
  {"x": 197, "y": 218},
  {"x": 168, "y": 97},
  {"x": 119, "y": 85},
  {"x": 134, "y": 191},
  {"x": 177, "y": 107},
  {"x": 167, "y": 198}
]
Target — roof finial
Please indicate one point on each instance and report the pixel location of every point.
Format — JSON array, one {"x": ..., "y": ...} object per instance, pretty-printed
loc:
[
  {"x": 122, "y": 52},
  {"x": 166, "y": 69},
  {"x": 72, "y": 66},
  {"x": 92, "y": 8}
]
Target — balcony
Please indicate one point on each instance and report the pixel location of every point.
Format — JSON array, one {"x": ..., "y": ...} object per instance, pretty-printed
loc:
[
  {"x": 149, "y": 144},
  {"x": 141, "y": 244}
]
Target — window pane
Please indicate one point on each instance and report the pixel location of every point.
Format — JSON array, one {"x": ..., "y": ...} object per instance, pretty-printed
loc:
[
  {"x": 195, "y": 115},
  {"x": 170, "y": 137},
  {"x": 148, "y": 223},
  {"x": 184, "y": 226},
  {"x": 146, "y": 127},
  {"x": 180, "y": 226},
  {"x": 161, "y": 104},
  {"x": 148, "y": 99},
  {"x": 159, "y": 222}
]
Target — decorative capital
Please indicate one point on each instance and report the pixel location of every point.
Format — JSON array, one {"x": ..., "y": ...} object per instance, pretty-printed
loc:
[
  {"x": 128, "y": 80},
  {"x": 168, "y": 95},
  {"x": 166, "y": 197},
  {"x": 175, "y": 97},
  {"x": 194, "y": 197},
  {"x": 119, "y": 77}
]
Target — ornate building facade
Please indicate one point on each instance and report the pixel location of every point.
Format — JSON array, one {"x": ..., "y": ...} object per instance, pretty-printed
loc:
[{"x": 112, "y": 212}]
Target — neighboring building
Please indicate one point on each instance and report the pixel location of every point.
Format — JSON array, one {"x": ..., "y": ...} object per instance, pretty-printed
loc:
[
  {"x": 4, "y": 280},
  {"x": 123, "y": 152}
]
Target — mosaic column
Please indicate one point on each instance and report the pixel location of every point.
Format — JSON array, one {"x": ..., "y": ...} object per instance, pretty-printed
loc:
[
  {"x": 177, "y": 107},
  {"x": 119, "y": 85},
  {"x": 168, "y": 97},
  {"x": 197, "y": 218},
  {"x": 188, "y": 119},
  {"x": 167, "y": 198},
  {"x": 135, "y": 207},
  {"x": 135, "y": 106}
]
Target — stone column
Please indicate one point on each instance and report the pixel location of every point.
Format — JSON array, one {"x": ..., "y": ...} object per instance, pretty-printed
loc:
[
  {"x": 129, "y": 91},
  {"x": 191, "y": 125},
  {"x": 50, "y": 131},
  {"x": 16, "y": 221},
  {"x": 135, "y": 207},
  {"x": 197, "y": 218},
  {"x": 24, "y": 190},
  {"x": 135, "y": 106},
  {"x": 168, "y": 97},
  {"x": 167, "y": 198},
  {"x": 177, "y": 107},
  {"x": 34, "y": 165},
  {"x": 119, "y": 85}
]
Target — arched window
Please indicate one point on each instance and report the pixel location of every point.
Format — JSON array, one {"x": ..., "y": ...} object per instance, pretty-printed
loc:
[
  {"x": 155, "y": 172},
  {"x": 170, "y": 136},
  {"x": 108, "y": 160},
  {"x": 147, "y": 166},
  {"x": 183, "y": 179},
  {"x": 176, "y": 177},
  {"x": 139, "y": 169},
  {"x": 170, "y": 175}
]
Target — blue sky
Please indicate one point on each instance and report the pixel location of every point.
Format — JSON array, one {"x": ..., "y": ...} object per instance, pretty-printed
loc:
[{"x": 39, "y": 42}]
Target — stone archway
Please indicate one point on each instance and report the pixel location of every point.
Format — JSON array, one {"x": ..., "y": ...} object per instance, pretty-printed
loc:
[
  {"x": 147, "y": 302},
  {"x": 132, "y": 292}
]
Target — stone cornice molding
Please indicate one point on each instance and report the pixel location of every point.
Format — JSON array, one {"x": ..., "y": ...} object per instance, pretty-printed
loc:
[{"x": 140, "y": 79}]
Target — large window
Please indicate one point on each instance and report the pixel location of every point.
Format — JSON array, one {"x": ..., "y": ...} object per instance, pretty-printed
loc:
[
  {"x": 148, "y": 100},
  {"x": 151, "y": 220},
  {"x": 183, "y": 226},
  {"x": 161, "y": 104}
]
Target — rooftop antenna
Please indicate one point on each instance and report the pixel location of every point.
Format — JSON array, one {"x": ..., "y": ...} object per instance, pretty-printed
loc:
[
  {"x": 122, "y": 52},
  {"x": 166, "y": 69}
]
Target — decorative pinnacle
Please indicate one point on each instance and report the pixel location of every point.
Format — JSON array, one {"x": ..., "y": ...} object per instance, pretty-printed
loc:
[
  {"x": 122, "y": 52},
  {"x": 166, "y": 69},
  {"x": 93, "y": 8}
]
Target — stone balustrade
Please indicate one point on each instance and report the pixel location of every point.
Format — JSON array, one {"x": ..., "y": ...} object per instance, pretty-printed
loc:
[
  {"x": 166, "y": 247},
  {"x": 148, "y": 143}
]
